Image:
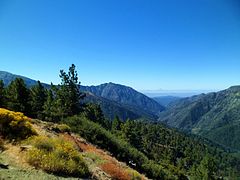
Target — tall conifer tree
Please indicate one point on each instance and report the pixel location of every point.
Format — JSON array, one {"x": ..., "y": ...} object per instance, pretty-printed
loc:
[
  {"x": 18, "y": 96},
  {"x": 38, "y": 98},
  {"x": 68, "y": 94}
]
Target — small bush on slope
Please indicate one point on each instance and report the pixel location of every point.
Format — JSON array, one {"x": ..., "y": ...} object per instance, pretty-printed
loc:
[
  {"x": 54, "y": 155},
  {"x": 62, "y": 128},
  {"x": 15, "y": 125}
]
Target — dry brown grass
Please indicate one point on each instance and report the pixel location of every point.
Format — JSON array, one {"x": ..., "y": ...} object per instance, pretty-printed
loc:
[
  {"x": 16, "y": 156},
  {"x": 110, "y": 165},
  {"x": 115, "y": 170}
]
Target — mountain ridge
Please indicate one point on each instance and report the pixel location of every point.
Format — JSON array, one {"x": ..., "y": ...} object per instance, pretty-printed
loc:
[
  {"x": 126, "y": 96},
  {"x": 117, "y": 96},
  {"x": 210, "y": 115}
]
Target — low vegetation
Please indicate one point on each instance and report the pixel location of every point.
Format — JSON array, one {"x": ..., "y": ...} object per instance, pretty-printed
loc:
[
  {"x": 54, "y": 155},
  {"x": 62, "y": 128},
  {"x": 15, "y": 125}
]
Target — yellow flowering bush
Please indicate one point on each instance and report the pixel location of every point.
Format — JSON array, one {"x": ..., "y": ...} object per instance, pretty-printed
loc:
[
  {"x": 15, "y": 125},
  {"x": 55, "y": 155}
]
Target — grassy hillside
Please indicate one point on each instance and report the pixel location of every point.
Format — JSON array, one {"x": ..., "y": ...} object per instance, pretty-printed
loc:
[{"x": 52, "y": 152}]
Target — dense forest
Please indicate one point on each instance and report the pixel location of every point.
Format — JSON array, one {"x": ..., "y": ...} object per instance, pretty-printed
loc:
[{"x": 151, "y": 148}]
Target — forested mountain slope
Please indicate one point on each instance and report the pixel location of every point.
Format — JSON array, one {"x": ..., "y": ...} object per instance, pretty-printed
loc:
[
  {"x": 214, "y": 115},
  {"x": 111, "y": 109}
]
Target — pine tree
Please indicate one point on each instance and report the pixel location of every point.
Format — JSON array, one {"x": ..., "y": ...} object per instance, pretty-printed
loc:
[
  {"x": 2, "y": 93},
  {"x": 207, "y": 168},
  {"x": 49, "y": 110},
  {"x": 68, "y": 94},
  {"x": 18, "y": 96},
  {"x": 38, "y": 98},
  {"x": 116, "y": 124},
  {"x": 94, "y": 113}
]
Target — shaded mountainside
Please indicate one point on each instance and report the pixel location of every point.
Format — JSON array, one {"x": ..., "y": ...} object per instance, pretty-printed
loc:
[
  {"x": 214, "y": 115},
  {"x": 166, "y": 100},
  {"x": 126, "y": 96},
  {"x": 112, "y": 109}
]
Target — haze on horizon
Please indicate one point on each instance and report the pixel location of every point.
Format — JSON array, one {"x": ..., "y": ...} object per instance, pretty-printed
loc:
[{"x": 170, "y": 45}]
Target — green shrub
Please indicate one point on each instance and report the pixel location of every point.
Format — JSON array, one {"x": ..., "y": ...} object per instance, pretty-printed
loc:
[
  {"x": 96, "y": 158},
  {"x": 15, "y": 125},
  {"x": 62, "y": 128},
  {"x": 54, "y": 155}
]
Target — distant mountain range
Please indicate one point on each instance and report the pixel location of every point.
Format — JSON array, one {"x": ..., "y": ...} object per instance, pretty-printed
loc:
[
  {"x": 166, "y": 100},
  {"x": 214, "y": 115},
  {"x": 114, "y": 99},
  {"x": 175, "y": 93}
]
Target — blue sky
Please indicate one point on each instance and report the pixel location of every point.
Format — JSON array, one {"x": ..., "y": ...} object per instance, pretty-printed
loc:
[{"x": 149, "y": 45}]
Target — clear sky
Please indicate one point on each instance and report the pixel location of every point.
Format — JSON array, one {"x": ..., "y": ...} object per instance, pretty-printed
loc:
[{"x": 146, "y": 44}]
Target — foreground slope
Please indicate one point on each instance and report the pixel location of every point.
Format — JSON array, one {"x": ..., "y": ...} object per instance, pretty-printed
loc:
[
  {"x": 152, "y": 149},
  {"x": 19, "y": 160},
  {"x": 214, "y": 115}
]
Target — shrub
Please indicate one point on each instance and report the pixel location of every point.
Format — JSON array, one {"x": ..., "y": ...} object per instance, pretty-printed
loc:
[
  {"x": 15, "y": 125},
  {"x": 54, "y": 155},
  {"x": 96, "y": 158},
  {"x": 62, "y": 128},
  {"x": 135, "y": 175}
]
